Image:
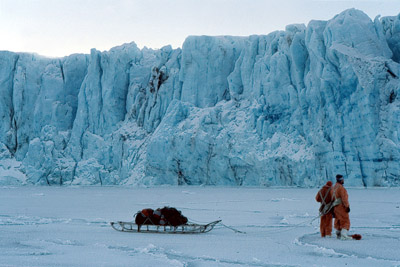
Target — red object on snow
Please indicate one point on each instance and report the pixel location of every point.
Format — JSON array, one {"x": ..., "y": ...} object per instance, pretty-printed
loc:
[{"x": 356, "y": 236}]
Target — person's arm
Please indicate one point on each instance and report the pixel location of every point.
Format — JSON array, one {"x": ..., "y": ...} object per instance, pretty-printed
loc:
[
  {"x": 318, "y": 197},
  {"x": 345, "y": 198}
]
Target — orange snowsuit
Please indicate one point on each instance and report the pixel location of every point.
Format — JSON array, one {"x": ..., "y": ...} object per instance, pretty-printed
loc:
[
  {"x": 342, "y": 220},
  {"x": 325, "y": 196}
]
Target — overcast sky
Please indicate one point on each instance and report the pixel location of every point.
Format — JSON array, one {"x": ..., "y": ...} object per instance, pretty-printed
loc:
[{"x": 63, "y": 27}]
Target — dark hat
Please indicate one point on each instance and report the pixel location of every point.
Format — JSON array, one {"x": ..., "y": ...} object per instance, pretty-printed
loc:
[{"x": 339, "y": 178}]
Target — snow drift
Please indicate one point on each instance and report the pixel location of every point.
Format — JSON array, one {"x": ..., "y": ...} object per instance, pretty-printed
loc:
[{"x": 293, "y": 107}]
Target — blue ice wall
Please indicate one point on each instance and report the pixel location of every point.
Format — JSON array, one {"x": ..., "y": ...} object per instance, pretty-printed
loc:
[{"x": 290, "y": 108}]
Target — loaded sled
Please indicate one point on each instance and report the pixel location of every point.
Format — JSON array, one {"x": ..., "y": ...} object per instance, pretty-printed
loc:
[
  {"x": 166, "y": 220},
  {"x": 188, "y": 228}
]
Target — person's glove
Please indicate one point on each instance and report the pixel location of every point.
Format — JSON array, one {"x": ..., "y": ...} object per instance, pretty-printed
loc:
[{"x": 348, "y": 209}]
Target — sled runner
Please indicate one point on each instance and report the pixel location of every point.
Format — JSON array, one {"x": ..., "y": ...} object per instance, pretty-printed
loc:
[{"x": 188, "y": 228}]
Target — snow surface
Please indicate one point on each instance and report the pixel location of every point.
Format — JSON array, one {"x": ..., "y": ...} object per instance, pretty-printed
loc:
[
  {"x": 69, "y": 226},
  {"x": 293, "y": 107}
]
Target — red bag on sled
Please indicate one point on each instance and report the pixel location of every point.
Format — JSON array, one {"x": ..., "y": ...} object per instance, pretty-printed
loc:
[{"x": 165, "y": 216}]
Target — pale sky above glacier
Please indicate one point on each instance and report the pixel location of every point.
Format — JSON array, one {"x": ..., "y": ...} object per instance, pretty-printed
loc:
[{"x": 63, "y": 27}]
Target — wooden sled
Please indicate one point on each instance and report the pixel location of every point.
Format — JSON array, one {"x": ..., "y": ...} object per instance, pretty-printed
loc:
[{"x": 189, "y": 228}]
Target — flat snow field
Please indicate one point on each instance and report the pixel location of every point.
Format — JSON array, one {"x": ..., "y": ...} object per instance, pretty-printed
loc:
[{"x": 69, "y": 226}]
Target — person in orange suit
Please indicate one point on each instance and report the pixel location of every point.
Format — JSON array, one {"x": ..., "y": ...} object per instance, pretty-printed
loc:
[
  {"x": 324, "y": 196},
  {"x": 341, "y": 209}
]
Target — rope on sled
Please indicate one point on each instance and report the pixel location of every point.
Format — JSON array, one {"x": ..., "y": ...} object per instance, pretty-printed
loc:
[
  {"x": 233, "y": 229},
  {"x": 224, "y": 225},
  {"x": 286, "y": 228},
  {"x": 309, "y": 222}
]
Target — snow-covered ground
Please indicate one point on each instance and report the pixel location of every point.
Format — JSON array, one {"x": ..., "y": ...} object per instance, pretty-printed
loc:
[{"x": 69, "y": 226}]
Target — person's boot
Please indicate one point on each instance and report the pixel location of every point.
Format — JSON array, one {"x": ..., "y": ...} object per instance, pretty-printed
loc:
[
  {"x": 338, "y": 234},
  {"x": 344, "y": 235}
]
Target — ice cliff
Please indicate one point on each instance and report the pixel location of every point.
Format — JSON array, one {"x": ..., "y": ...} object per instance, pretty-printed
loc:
[{"x": 293, "y": 108}]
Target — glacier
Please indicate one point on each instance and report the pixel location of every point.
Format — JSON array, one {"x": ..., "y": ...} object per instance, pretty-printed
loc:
[{"x": 291, "y": 108}]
